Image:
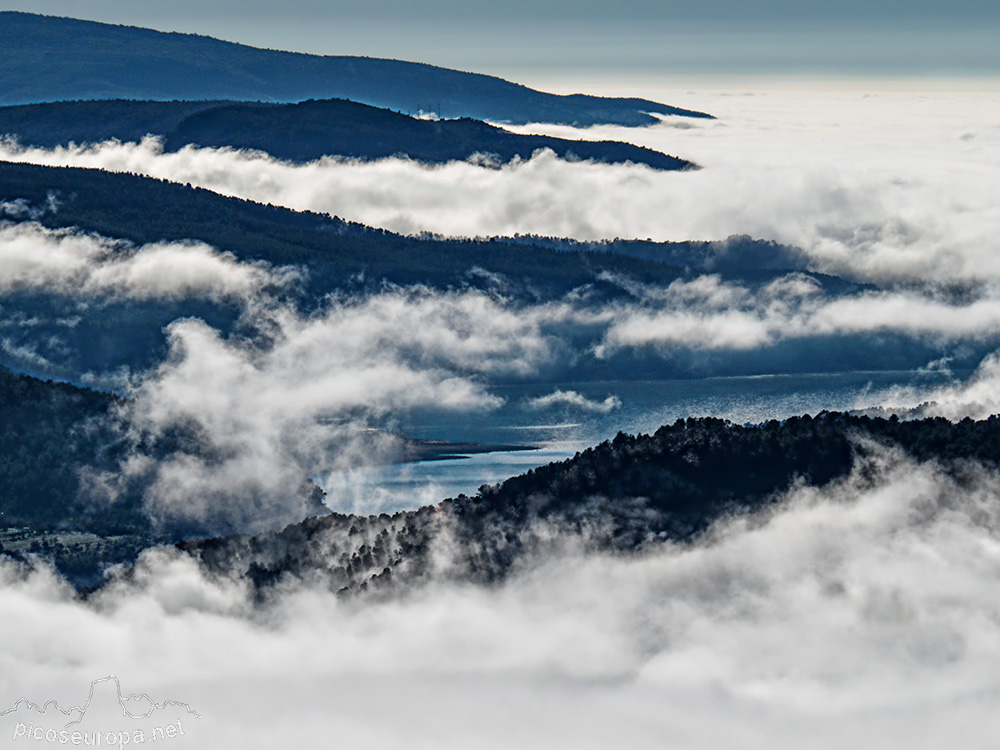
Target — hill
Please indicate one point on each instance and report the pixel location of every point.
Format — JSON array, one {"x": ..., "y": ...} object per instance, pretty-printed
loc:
[
  {"x": 52, "y": 59},
  {"x": 302, "y": 132},
  {"x": 56, "y": 439},
  {"x": 340, "y": 256},
  {"x": 623, "y": 495},
  {"x": 50, "y": 433}
]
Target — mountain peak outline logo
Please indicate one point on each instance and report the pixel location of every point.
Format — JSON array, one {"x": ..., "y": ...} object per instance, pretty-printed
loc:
[{"x": 127, "y": 703}]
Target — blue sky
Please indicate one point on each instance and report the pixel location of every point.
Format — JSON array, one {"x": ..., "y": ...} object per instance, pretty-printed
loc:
[{"x": 517, "y": 37}]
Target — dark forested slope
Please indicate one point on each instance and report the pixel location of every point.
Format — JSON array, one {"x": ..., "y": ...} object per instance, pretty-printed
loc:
[
  {"x": 47, "y": 432},
  {"x": 57, "y": 443},
  {"x": 623, "y": 495},
  {"x": 302, "y": 132},
  {"x": 48, "y": 59},
  {"x": 51, "y": 436},
  {"x": 144, "y": 210}
]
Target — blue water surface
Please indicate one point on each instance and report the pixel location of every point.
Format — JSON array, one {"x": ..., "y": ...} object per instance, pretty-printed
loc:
[{"x": 558, "y": 430}]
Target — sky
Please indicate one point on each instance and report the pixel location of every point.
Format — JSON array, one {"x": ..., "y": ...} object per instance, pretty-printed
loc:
[{"x": 567, "y": 38}]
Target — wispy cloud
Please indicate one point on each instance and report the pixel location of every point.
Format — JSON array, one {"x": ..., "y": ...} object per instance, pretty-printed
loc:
[
  {"x": 293, "y": 397},
  {"x": 66, "y": 262},
  {"x": 574, "y": 399},
  {"x": 301, "y": 398},
  {"x": 711, "y": 314}
]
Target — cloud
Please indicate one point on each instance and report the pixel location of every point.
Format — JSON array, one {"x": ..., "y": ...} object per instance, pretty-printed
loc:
[
  {"x": 711, "y": 314},
  {"x": 301, "y": 398},
  {"x": 292, "y": 395},
  {"x": 71, "y": 263},
  {"x": 977, "y": 397},
  {"x": 23, "y": 209},
  {"x": 883, "y": 188},
  {"x": 295, "y": 398},
  {"x": 861, "y": 613},
  {"x": 858, "y": 615},
  {"x": 560, "y": 397}
]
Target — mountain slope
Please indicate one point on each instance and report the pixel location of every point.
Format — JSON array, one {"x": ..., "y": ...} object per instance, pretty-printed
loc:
[
  {"x": 50, "y": 59},
  {"x": 349, "y": 258},
  {"x": 145, "y": 210},
  {"x": 336, "y": 256},
  {"x": 55, "y": 440},
  {"x": 623, "y": 495},
  {"x": 300, "y": 132}
]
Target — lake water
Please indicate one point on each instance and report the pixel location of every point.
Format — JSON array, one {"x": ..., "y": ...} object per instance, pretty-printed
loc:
[{"x": 558, "y": 430}]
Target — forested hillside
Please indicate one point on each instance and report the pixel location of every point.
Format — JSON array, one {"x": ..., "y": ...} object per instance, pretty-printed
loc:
[
  {"x": 303, "y": 132},
  {"x": 331, "y": 255},
  {"x": 622, "y": 495}
]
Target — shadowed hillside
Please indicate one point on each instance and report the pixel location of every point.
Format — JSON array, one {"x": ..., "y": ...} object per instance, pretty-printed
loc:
[
  {"x": 623, "y": 495},
  {"x": 346, "y": 257},
  {"x": 302, "y": 132},
  {"x": 52, "y": 59}
]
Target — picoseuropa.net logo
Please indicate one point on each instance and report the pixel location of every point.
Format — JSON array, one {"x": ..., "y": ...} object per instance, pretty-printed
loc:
[
  {"x": 95, "y": 739},
  {"x": 107, "y": 719}
]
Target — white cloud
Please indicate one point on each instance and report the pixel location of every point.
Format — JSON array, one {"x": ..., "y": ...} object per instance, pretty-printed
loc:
[
  {"x": 300, "y": 399},
  {"x": 67, "y": 262},
  {"x": 861, "y": 615},
  {"x": 710, "y": 314},
  {"x": 978, "y": 397},
  {"x": 575, "y": 399},
  {"x": 883, "y": 188}
]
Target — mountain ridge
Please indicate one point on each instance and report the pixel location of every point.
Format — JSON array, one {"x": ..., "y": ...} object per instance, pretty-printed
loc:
[
  {"x": 109, "y": 61},
  {"x": 623, "y": 496},
  {"x": 350, "y": 258},
  {"x": 303, "y": 131}
]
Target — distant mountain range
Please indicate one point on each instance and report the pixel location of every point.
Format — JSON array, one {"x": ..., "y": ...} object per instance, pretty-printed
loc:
[
  {"x": 48, "y": 59},
  {"x": 302, "y": 132}
]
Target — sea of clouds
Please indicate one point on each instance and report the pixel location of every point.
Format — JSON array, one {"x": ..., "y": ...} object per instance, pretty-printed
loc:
[
  {"x": 294, "y": 394},
  {"x": 890, "y": 188},
  {"x": 871, "y": 184},
  {"x": 862, "y": 614}
]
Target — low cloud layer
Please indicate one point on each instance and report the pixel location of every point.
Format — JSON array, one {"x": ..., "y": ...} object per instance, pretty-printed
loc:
[
  {"x": 861, "y": 614},
  {"x": 292, "y": 395},
  {"x": 294, "y": 400},
  {"x": 977, "y": 397},
  {"x": 300, "y": 399},
  {"x": 709, "y": 313}
]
